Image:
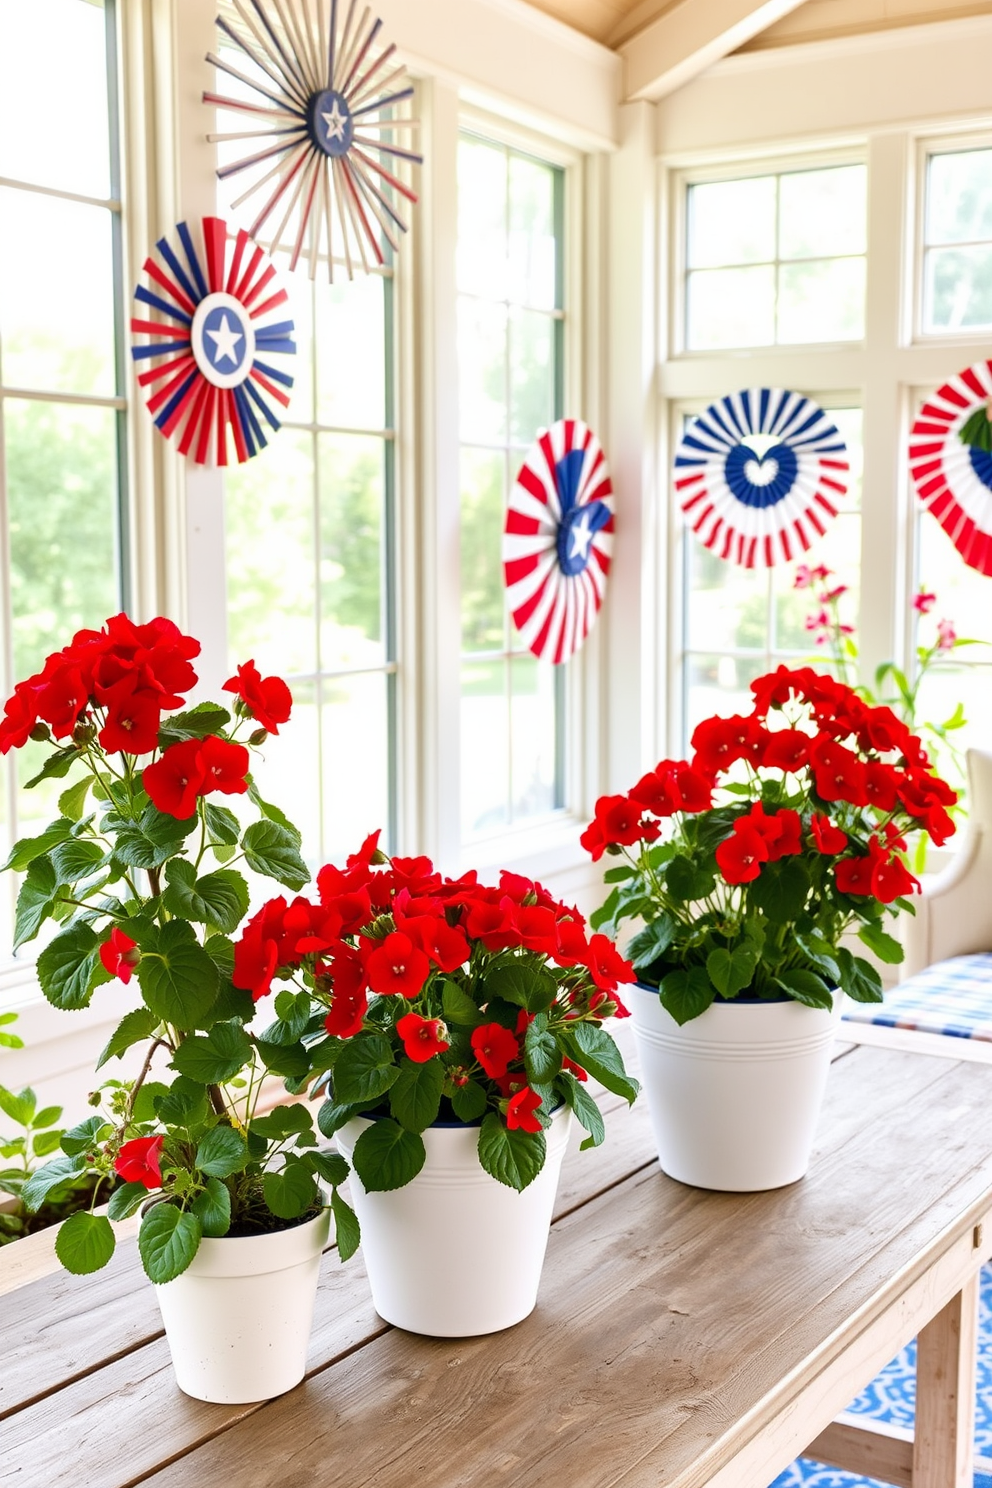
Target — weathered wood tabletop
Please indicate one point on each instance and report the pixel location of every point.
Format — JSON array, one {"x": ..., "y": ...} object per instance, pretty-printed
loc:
[{"x": 681, "y": 1338}]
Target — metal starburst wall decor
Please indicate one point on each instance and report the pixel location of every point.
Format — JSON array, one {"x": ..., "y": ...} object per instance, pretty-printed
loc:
[{"x": 325, "y": 95}]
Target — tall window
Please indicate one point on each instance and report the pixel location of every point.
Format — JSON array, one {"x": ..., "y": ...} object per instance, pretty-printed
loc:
[
  {"x": 957, "y": 242},
  {"x": 511, "y": 334},
  {"x": 61, "y": 363},
  {"x": 776, "y": 259}
]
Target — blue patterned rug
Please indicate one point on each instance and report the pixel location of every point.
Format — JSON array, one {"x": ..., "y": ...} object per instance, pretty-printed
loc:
[{"x": 892, "y": 1398}]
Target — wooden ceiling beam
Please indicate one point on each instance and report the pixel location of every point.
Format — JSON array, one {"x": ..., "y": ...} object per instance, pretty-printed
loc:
[{"x": 689, "y": 37}]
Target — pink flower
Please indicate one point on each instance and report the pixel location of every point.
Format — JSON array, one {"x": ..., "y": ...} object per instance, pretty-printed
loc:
[
  {"x": 818, "y": 621},
  {"x": 946, "y": 635},
  {"x": 923, "y": 602}
]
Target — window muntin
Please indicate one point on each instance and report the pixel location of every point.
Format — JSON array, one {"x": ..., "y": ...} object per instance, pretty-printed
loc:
[
  {"x": 511, "y": 324},
  {"x": 957, "y": 242},
  {"x": 776, "y": 259},
  {"x": 62, "y": 372}
]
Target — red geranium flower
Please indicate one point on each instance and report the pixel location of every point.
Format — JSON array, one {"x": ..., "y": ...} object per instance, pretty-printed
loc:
[
  {"x": 839, "y": 774},
  {"x": 396, "y": 966},
  {"x": 137, "y": 1161},
  {"x": 495, "y": 1048},
  {"x": 740, "y": 856},
  {"x": 854, "y": 875},
  {"x": 828, "y": 837},
  {"x": 422, "y": 1037},
  {"x": 658, "y": 791},
  {"x": 256, "y": 953},
  {"x": 349, "y": 1003},
  {"x": 267, "y": 699},
  {"x": 133, "y": 717},
  {"x": 120, "y": 955},
  {"x": 786, "y": 749},
  {"x": 719, "y": 742},
  {"x": 891, "y": 879},
  {"x": 224, "y": 766},
  {"x": 520, "y": 1111},
  {"x": 174, "y": 781},
  {"x": 20, "y": 717}
]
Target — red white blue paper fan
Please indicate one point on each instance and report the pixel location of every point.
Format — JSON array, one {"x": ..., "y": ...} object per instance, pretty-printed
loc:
[
  {"x": 207, "y": 361},
  {"x": 760, "y": 474},
  {"x": 950, "y": 456},
  {"x": 324, "y": 127},
  {"x": 558, "y": 540}
]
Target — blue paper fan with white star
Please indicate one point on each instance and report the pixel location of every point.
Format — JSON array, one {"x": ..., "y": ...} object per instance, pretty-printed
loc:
[
  {"x": 558, "y": 540},
  {"x": 760, "y": 475},
  {"x": 326, "y": 128},
  {"x": 207, "y": 353}
]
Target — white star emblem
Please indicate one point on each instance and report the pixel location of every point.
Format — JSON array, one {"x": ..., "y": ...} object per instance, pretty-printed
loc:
[
  {"x": 581, "y": 535},
  {"x": 335, "y": 122},
  {"x": 225, "y": 341}
]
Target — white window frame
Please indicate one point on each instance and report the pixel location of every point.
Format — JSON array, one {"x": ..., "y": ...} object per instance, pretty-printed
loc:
[{"x": 926, "y": 146}]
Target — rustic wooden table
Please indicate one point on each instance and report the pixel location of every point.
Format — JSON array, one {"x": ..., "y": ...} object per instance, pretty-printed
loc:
[{"x": 682, "y": 1338}]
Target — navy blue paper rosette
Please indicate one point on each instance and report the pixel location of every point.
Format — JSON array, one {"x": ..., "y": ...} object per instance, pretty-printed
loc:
[{"x": 760, "y": 475}]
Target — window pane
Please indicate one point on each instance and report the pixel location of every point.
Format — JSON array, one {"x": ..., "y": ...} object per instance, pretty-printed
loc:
[
  {"x": 62, "y": 497},
  {"x": 56, "y": 294},
  {"x": 732, "y": 222},
  {"x": 533, "y": 251},
  {"x": 351, "y": 492},
  {"x": 350, "y": 363},
  {"x": 354, "y": 760},
  {"x": 957, "y": 292},
  {"x": 532, "y": 722},
  {"x": 300, "y": 311},
  {"x": 53, "y": 95},
  {"x": 727, "y": 604},
  {"x": 821, "y": 300},
  {"x": 287, "y": 771},
  {"x": 730, "y": 307},
  {"x": 482, "y": 256},
  {"x": 719, "y": 684},
  {"x": 270, "y": 557},
  {"x": 959, "y": 197},
  {"x": 482, "y": 371},
  {"x": 485, "y": 747},
  {"x": 483, "y": 507},
  {"x": 823, "y": 212},
  {"x": 532, "y": 375}
]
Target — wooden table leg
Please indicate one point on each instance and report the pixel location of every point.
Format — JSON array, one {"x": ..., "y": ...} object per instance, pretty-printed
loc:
[{"x": 943, "y": 1446}]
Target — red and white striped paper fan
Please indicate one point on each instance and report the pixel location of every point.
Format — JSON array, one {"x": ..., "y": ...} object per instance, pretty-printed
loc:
[{"x": 953, "y": 477}]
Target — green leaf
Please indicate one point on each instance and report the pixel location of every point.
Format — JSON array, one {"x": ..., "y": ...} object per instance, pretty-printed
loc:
[
  {"x": 586, "y": 1110},
  {"x": 858, "y": 978},
  {"x": 731, "y": 971},
  {"x": 212, "y": 1208},
  {"x": 542, "y": 1056},
  {"x": 55, "y": 766},
  {"x": 41, "y": 1183},
  {"x": 386, "y": 1156},
  {"x": 195, "y": 723},
  {"x": 126, "y": 1200},
  {"x": 885, "y": 947},
  {"x": 346, "y": 1227},
  {"x": 86, "y": 1135},
  {"x": 686, "y": 993},
  {"x": 19, "y": 1108},
  {"x": 179, "y": 981},
  {"x": 167, "y": 1242},
  {"x": 293, "y": 1014},
  {"x": 46, "y": 1141},
  {"x": 415, "y": 1096},
  {"x": 183, "y": 1104},
  {"x": 805, "y": 987},
  {"x": 282, "y": 1122},
  {"x": 606, "y": 912},
  {"x": 72, "y": 802},
  {"x": 221, "y": 952},
  {"x": 686, "y": 881},
  {"x": 330, "y": 1166},
  {"x": 525, "y": 985},
  {"x": 150, "y": 842},
  {"x": 653, "y": 941},
  {"x": 469, "y": 1101},
  {"x": 781, "y": 890},
  {"x": 85, "y": 1242},
  {"x": 289, "y": 1060},
  {"x": 78, "y": 858},
  {"x": 214, "y": 1057},
  {"x": 364, "y": 1070},
  {"x": 272, "y": 850},
  {"x": 332, "y": 1116},
  {"x": 144, "y": 1108},
  {"x": 222, "y": 1152},
  {"x": 46, "y": 1117},
  {"x": 290, "y": 1192},
  {"x": 820, "y": 954},
  {"x": 617, "y": 875},
  {"x": 458, "y": 1007},
  {"x": 133, "y": 1028},
  {"x": 219, "y": 899},
  {"x": 69, "y": 967},
  {"x": 35, "y": 901},
  {"x": 511, "y": 1157},
  {"x": 222, "y": 824},
  {"x": 29, "y": 848},
  {"x": 597, "y": 1053}
]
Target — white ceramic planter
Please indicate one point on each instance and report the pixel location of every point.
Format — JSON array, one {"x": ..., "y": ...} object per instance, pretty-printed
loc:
[
  {"x": 454, "y": 1253},
  {"x": 734, "y": 1095},
  {"x": 238, "y": 1320}
]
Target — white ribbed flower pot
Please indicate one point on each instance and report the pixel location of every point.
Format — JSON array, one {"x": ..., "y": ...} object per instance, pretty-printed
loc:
[
  {"x": 238, "y": 1320},
  {"x": 735, "y": 1094},
  {"x": 454, "y": 1253}
]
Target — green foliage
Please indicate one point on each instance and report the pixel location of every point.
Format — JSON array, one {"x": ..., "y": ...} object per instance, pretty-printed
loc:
[
  {"x": 168, "y": 1240},
  {"x": 85, "y": 1242},
  {"x": 513, "y": 1158},
  {"x": 273, "y": 850},
  {"x": 415, "y": 1095},
  {"x": 387, "y": 1156},
  {"x": 179, "y": 980}
]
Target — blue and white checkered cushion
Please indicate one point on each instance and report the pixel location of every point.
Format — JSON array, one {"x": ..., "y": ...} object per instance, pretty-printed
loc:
[{"x": 952, "y": 997}]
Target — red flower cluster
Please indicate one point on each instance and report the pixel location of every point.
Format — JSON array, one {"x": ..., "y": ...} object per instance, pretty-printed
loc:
[
  {"x": 266, "y": 699},
  {"x": 138, "y": 1161},
  {"x": 195, "y": 768},
  {"x": 127, "y": 673},
  {"x": 120, "y": 955}
]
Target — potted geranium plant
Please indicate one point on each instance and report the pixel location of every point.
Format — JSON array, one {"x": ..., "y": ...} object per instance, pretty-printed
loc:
[
  {"x": 748, "y": 864},
  {"x": 140, "y": 873},
  {"x": 458, "y": 1025}
]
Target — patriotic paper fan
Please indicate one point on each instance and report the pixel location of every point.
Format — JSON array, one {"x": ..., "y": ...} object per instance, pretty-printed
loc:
[
  {"x": 208, "y": 360},
  {"x": 759, "y": 475},
  {"x": 950, "y": 456},
  {"x": 326, "y": 96},
  {"x": 558, "y": 540}
]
